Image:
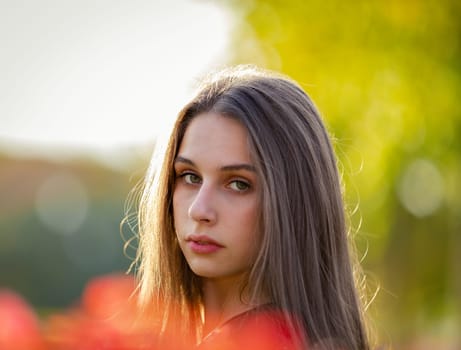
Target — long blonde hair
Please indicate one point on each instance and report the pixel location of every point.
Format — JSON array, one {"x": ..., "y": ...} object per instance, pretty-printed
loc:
[{"x": 304, "y": 263}]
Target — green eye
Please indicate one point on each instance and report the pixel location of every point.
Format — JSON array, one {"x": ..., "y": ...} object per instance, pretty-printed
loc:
[
  {"x": 191, "y": 178},
  {"x": 239, "y": 186}
]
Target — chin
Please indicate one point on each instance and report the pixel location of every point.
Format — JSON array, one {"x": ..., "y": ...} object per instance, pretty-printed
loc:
[{"x": 205, "y": 273}]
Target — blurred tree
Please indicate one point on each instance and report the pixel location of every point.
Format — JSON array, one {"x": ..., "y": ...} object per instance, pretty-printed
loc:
[{"x": 387, "y": 77}]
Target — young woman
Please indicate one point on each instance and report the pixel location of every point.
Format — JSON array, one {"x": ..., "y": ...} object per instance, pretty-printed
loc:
[{"x": 242, "y": 231}]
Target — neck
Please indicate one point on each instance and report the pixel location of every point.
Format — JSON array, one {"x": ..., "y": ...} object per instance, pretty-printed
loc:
[{"x": 224, "y": 299}]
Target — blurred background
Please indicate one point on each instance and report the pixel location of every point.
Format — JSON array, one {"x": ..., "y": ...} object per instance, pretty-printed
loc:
[{"x": 87, "y": 87}]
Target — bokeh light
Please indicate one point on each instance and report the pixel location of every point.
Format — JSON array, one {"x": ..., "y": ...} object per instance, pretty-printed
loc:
[
  {"x": 62, "y": 203},
  {"x": 421, "y": 188}
]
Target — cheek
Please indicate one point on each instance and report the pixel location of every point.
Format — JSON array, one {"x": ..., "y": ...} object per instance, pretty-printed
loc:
[
  {"x": 254, "y": 213},
  {"x": 251, "y": 224},
  {"x": 177, "y": 206},
  {"x": 175, "y": 202},
  {"x": 178, "y": 200}
]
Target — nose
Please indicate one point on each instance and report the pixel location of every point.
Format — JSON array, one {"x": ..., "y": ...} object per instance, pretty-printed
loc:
[{"x": 202, "y": 208}]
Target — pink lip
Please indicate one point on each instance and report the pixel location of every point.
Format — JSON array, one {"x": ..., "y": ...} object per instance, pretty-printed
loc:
[{"x": 202, "y": 244}]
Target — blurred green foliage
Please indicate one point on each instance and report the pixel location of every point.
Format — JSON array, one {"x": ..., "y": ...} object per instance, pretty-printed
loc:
[{"x": 386, "y": 75}]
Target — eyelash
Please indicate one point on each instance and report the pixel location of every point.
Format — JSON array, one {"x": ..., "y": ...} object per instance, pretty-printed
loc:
[{"x": 185, "y": 175}]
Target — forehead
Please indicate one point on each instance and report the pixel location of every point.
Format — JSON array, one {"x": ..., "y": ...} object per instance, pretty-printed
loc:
[{"x": 214, "y": 137}]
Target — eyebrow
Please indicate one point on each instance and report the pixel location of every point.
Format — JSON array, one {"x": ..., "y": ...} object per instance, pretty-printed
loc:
[{"x": 231, "y": 167}]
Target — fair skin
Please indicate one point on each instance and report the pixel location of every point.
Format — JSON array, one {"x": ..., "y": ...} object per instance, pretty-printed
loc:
[{"x": 216, "y": 207}]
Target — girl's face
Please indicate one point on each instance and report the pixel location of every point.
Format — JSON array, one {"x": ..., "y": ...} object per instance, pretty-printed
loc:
[{"x": 216, "y": 198}]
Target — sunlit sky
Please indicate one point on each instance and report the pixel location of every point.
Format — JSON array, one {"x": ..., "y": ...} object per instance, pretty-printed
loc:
[{"x": 98, "y": 75}]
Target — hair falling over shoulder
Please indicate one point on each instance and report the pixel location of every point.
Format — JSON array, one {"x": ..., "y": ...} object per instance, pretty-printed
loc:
[{"x": 305, "y": 264}]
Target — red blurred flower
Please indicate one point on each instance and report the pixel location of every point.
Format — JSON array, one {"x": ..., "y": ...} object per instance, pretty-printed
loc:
[
  {"x": 107, "y": 319},
  {"x": 19, "y": 327},
  {"x": 111, "y": 298}
]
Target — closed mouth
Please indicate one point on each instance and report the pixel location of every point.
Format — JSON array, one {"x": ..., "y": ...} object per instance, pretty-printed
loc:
[{"x": 202, "y": 240}]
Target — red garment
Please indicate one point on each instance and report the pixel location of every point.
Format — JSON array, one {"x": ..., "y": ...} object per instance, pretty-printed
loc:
[{"x": 258, "y": 329}]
